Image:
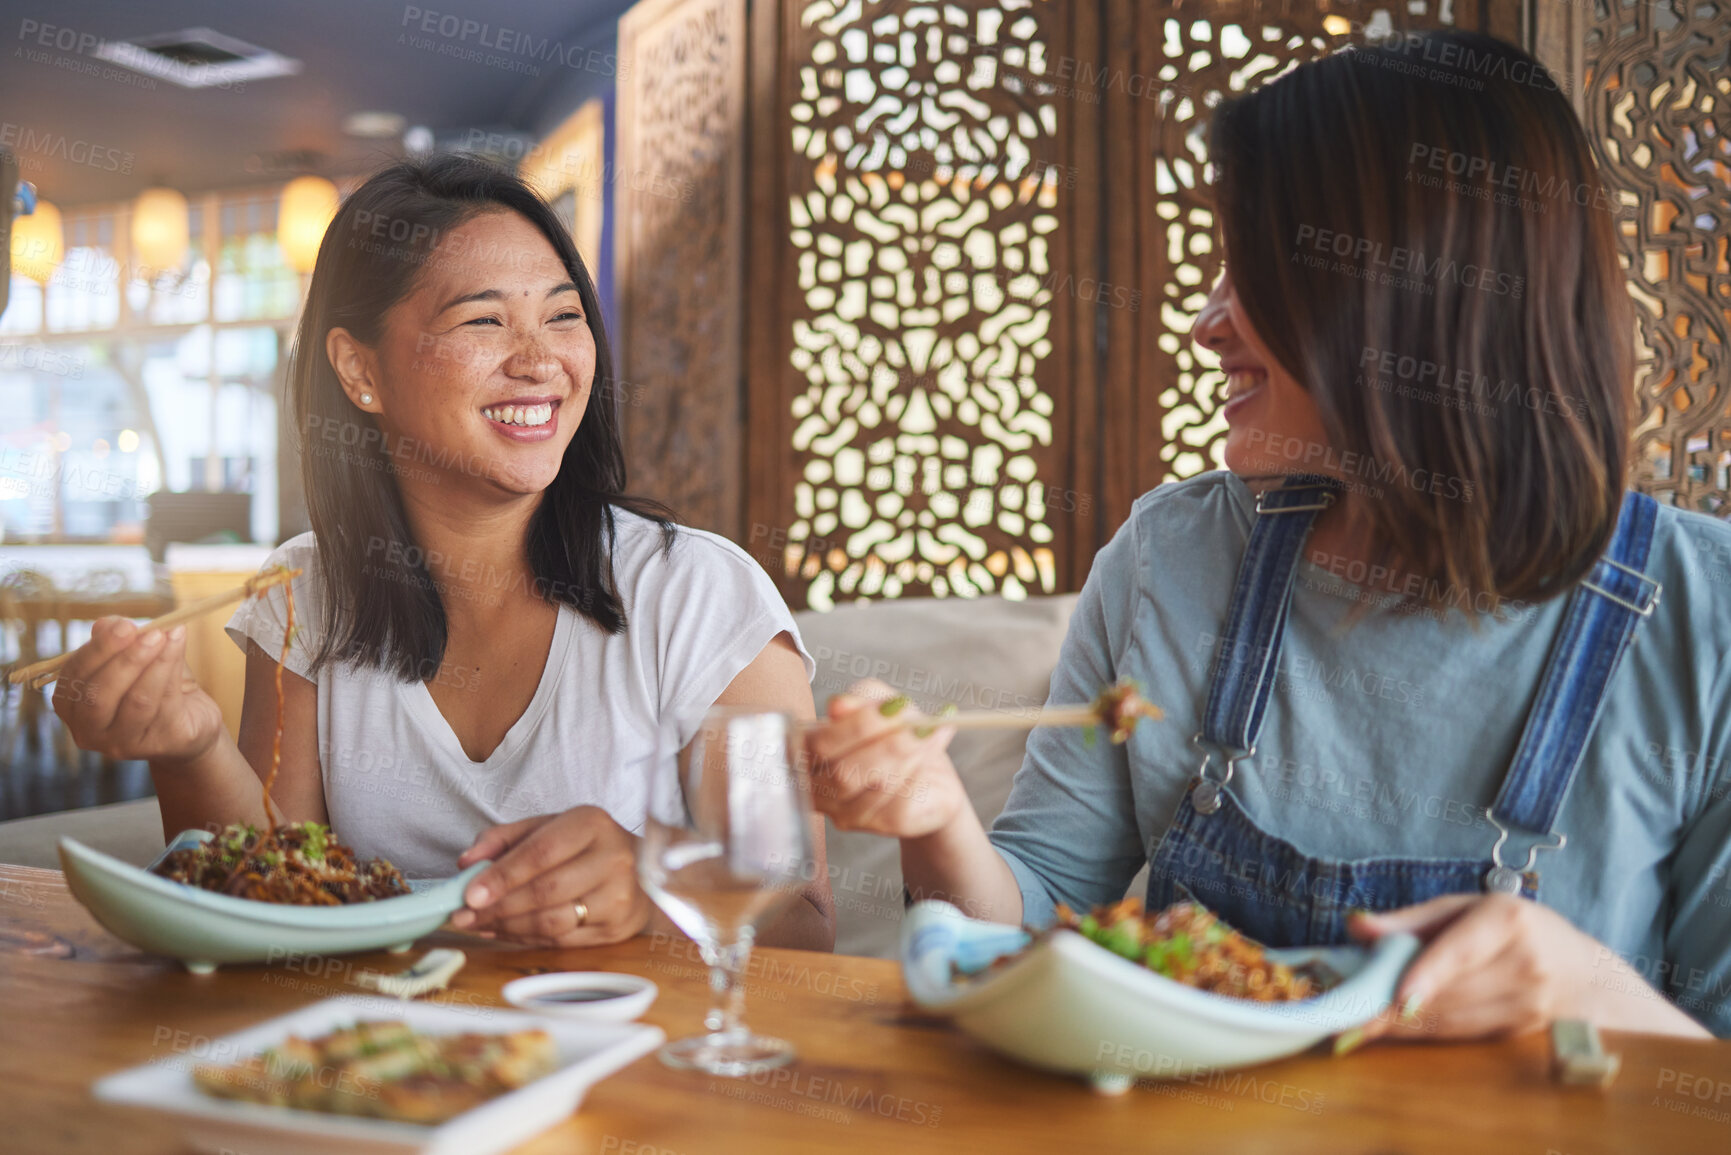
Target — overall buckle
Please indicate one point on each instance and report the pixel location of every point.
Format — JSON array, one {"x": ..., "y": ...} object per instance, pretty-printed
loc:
[
  {"x": 1324, "y": 502},
  {"x": 1204, "y": 791},
  {"x": 1504, "y": 879},
  {"x": 1649, "y": 595}
]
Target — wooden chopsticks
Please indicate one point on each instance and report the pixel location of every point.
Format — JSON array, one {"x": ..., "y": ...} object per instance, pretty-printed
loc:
[
  {"x": 39, "y": 674},
  {"x": 998, "y": 720}
]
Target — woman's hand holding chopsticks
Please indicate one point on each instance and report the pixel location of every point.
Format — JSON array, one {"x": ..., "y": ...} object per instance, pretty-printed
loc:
[
  {"x": 127, "y": 693},
  {"x": 39, "y": 674},
  {"x": 872, "y": 771}
]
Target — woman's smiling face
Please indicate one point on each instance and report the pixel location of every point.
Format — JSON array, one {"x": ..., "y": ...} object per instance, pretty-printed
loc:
[
  {"x": 1273, "y": 424},
  {"x": 484, "y": 370}
]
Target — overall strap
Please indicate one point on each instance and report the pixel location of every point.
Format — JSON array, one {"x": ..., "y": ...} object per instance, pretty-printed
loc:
[
  {"x": 1597, "y": 628},
  {"x": 1249, "y": 650}
]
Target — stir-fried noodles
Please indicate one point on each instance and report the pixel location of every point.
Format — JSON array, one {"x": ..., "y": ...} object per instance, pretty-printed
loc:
[{"x": 299, "y": 863}]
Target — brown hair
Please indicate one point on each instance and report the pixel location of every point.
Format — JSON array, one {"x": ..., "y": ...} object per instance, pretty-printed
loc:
[{"x": 1418, "y": 234}]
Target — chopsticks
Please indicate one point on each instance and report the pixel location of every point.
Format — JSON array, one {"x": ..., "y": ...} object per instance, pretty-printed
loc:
[
  {"x": 998, "y": 720},
  {"x": 1118, "y": 708},
  {"x": 39, "y": 674}
]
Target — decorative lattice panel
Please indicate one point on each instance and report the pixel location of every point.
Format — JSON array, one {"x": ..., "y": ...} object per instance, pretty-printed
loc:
[
  {"x": 679, "y": 194},
  {"x": 923, "y": 224},
  {"x": 1197, "y": 63},
  {"x": 1658, "y": 108}
]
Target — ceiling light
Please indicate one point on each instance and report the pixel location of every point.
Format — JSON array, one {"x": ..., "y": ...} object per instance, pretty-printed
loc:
[
  {"x": 160, "y": 233},
  {"x": 374, "y": 125},
  {"x": 38, "y": 243},
  {"x": 308, "y": 204}
]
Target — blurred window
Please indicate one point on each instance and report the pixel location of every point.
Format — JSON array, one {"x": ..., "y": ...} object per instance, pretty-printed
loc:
[{"x": 117, "y": 380}]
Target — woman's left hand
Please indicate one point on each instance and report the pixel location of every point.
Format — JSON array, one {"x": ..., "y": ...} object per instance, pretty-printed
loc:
[
  {"x": 543, "y": 868},
  {"x": 1494, "y": 964}
]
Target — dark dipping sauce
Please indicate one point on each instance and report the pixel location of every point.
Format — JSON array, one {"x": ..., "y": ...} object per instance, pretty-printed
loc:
[{"x": 581, "y": 996}]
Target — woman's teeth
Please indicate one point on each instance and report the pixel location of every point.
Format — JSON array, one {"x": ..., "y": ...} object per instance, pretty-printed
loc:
[
  {"x": 520, "y": 414},
  {"x": 1243, "y": 381}
]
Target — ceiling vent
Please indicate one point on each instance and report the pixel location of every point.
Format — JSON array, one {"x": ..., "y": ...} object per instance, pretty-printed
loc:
[{"x": 198, "y": 58}]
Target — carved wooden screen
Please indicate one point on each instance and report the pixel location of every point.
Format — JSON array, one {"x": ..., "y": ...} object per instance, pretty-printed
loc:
[
  {"x": 926, "y": 293},
  {"x": 679, "y": 194},
  {"x": 1657, "y": 103}
]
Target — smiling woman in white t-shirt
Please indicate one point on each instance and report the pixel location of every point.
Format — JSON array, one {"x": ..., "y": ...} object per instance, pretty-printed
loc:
[{"x": 490, "y": 632}]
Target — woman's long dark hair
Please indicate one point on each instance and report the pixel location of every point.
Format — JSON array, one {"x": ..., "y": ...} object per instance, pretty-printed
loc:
[
  {"x": 381, "y": 602},
  {"x": 1418, "y": 233}
]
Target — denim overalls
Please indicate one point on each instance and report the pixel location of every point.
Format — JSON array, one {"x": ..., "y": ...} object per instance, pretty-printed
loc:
[{"x": 1279, "y": 895}]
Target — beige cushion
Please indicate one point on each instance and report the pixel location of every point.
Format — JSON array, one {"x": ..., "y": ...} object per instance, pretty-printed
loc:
[
  {"x": 983, "y": 653},
  {"x": 131, "y": 831}
]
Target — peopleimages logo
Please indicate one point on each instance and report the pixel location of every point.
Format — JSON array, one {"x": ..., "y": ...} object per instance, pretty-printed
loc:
[
  {"x": 1396, "y": 265},
  {"x": 33, "y": 146},
  {"x": 465, "y": 37},
  {"x": 1500, "y": 177},
  {"x": 1318, "y": 457},
  {"x": 1426, "y": 380},
  {"x": 1464, "y": 60}
]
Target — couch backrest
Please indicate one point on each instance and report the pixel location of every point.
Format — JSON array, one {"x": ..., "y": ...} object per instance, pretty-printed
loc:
[{"x": 980, "y": 653}]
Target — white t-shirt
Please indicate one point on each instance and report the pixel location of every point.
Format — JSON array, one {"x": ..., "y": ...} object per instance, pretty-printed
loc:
[{"x": 398, "y": 784}]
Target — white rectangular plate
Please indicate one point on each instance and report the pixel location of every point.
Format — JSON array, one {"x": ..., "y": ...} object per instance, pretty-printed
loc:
[{"x": 587, "y": 1053}]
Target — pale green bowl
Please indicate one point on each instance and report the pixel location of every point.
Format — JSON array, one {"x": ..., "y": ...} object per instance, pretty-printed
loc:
[
  {"x": 202, "y": 928},
  {"x": 1072, "y": 1006}
]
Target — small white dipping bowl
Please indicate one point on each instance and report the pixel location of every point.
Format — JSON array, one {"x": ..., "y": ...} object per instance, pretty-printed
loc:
[{"x": 594, "y": 995}]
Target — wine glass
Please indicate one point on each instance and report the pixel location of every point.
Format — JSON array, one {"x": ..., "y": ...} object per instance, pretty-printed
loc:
[{"x": 726, "y": 847}]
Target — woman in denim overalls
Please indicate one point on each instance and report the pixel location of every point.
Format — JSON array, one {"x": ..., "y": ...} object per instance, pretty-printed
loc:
[{"x": 1427, "y": 382}]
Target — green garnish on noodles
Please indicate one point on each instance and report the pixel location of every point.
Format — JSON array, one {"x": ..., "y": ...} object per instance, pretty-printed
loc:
[{"x": 314, "y": 846}]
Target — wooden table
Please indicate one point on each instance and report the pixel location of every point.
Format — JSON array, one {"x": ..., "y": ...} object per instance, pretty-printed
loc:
[{"x": 874, "y": 1073}]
